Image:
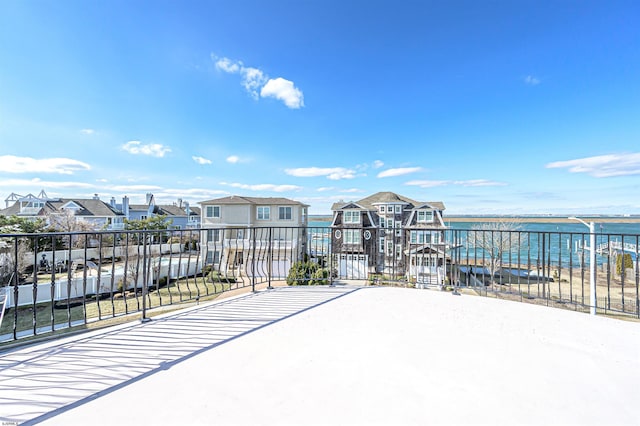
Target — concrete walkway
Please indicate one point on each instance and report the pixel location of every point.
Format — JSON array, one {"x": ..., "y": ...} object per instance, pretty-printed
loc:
[{"x": 335, "y": 356}]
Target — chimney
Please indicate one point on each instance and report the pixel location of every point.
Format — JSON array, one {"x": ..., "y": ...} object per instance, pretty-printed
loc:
[
  {"x": 149, "y": 195},
  {"x": 95, "y": 197},
  {"x": 125, "y": 206},
  {"x": 187, "y": 209},
  {"x": 113, "y": 202}
]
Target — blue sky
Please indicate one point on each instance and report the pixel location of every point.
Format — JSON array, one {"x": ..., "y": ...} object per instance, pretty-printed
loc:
[{"x": 492, "y": 107}]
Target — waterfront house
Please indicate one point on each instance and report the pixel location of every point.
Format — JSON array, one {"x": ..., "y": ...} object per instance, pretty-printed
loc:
[
  {"x": 267, "y": 233},
  {"x": 387, "y": 233}
]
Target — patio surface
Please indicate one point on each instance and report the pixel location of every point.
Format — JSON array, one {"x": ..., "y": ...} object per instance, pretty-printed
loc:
[{"x": 341, "y": 355}]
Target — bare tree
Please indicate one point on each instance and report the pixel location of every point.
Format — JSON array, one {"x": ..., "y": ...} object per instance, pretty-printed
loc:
[
  {"x": 67, "y": 221},
  {"x": 497, "y": 242}
]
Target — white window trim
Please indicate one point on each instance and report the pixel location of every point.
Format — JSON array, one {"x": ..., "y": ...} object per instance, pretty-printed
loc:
[
  {"x": 352, "y": 236},
  {"x": 351, "y": 214},
  {"x": 213, "y": 212},
  {"x": 285, "y": 208},
  {"x": 263, "y": 209},
  {"x": 425, "y": 213}
]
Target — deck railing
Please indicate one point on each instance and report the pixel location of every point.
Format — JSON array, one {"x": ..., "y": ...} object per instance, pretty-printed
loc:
[{"x": 59, "y": 281}]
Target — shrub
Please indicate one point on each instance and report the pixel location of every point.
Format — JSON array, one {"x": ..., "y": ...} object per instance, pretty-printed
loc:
[
  {"x": 307, "y": 273},
  {"x": 217, "y": 277},
  {"x": 628, "y": 262}
]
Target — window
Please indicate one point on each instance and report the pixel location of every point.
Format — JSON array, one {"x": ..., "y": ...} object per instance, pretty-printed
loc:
[
  {"x": 390, "y": 209},
  {"x": 143, "y": 217},
  {"x": 264, "y": 212},
  {"x": 398, "y": 228},
  {"x": 389, "y": 223},
  {"x": 381, "y": 245},
  {"x": 381, "y": 209},
  {"x": 382, "y": 222},
  {"x": 213, "y": 235},
  {"x": 212, "y": 211},
  {"x": 389, "y": 248},
  {"x": 351, "y": 216},
  {"x": 422, "y": 237},
  {"x": 352, "y": 236},
  {"x": 425, "y": 216},
  {"x": 398, "y": 209},
  {"x": 399, "y": 251},
  {"x": 285, "y": 213},
  {"x": 213, "y": 257}
]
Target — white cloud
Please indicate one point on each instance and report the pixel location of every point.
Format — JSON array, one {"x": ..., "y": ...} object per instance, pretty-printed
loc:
[
  {"x": 63, "y": 166},
  {"x": 201, "y": 160},
  {"x": 257, "y": 83},
  {"x": 233, "y": 159},
  {"x": 478, "y": 182},
  {"x": 283, "y": 90},
  {"x": 377, "y": 164},
  {"x": 134, "y": 188},
  {"x": 471, "y": 182},
  {"x": 37, "y": 184},
  {"x": 332, "y": 173},
  {"x": 399, "y": 171},
  {"x": 325, "y": 189},
  {"x": 427, "y": 183},
  {"x": 531, "y": 80},
  {"x": 252, "y": 80},
  {"x": 227, "y": 65},
  {"x": 263, "y": 187},
  {"x": 87, "y": 131},
  {"x": 152, "y": 149},
  {"x": 602, "y": 165}
]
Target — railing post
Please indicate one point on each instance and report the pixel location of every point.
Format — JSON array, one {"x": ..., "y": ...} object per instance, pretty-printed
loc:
[
  {"x": 253, "y": 261},
  {"x": 144, "y": 277}
]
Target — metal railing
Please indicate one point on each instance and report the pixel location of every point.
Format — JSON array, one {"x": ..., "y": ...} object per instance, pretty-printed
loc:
[{"x": 60, "y": 281}]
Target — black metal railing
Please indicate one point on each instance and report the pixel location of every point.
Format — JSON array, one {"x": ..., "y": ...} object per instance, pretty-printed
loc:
[{"x": 55, "y": 281}]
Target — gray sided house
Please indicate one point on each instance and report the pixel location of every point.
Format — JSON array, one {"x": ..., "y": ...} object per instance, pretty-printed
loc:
[
  {"x": 253, "y": 236},
  {"x": 388, "y": 232},
  {"x": 181, "y": 214}
]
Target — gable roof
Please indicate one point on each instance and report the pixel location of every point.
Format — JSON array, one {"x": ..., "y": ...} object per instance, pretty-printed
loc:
[{"x": 387, "y": 197}]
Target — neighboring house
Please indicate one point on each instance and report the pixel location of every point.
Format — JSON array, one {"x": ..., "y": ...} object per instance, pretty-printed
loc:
[
  {"x": 389, "y": 232},
  {"x": 266, "y": 234},
  {"x": 94, "y": 211},
  {"x": 181, "y": 214}
]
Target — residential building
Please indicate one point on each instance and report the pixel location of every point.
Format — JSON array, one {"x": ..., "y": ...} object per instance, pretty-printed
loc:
[
  {"x": 181, "y": 214},
  {"x": 97, "y": 213},
  {"x": 388, "y": 232},
  {"x": 268, "y": 234}
]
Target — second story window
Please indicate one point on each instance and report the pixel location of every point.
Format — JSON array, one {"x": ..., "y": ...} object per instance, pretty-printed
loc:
[
  {"x": 425, "y": 216},
  {"x": 264, "y": 213},
  {"x": 285, "y": 213},
  {"x": 351, "y": 216},
  {"x": 212, "y": 211},
  {"x": 352, "y": 236}
]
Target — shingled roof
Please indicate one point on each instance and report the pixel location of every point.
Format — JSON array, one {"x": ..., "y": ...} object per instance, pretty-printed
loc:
[
  {"x": 237, "y": 199},
  {"x": 385, "y": 197}
]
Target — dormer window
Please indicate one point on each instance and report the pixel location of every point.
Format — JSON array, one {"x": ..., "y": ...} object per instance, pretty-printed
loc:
[
  {"x": 351, "y": 216},
  {"x": 425, "y": 216}
]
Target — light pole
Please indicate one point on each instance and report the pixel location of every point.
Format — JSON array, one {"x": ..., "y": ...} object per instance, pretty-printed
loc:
[{"x": 592, "y": 262}]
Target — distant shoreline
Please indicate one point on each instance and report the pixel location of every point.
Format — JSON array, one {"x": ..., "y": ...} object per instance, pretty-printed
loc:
[
  {"x": 520, "y": 219},
  {"x": 541, "y": 219}
]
